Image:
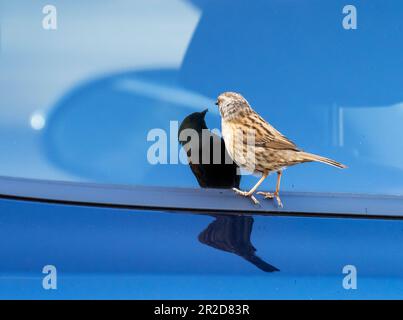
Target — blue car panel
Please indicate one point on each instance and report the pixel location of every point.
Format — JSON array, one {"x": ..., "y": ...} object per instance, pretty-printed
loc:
[{"x": 121, "y": 253}]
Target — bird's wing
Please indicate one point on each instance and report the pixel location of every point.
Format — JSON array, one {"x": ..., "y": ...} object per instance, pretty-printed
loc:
[{"x": 267, "y": 136}]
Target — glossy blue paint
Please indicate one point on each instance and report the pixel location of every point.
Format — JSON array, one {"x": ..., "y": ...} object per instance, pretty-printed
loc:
[
  {"x": 117, "y": 253},
  {"x": 101, "y": 87}
]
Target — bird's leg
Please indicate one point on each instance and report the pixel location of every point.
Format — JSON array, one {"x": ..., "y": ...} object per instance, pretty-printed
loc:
[
  {"x": 251, "y": 191},
  {"x": 269, "y": 195},
  {"x": 277, "y": 192}
]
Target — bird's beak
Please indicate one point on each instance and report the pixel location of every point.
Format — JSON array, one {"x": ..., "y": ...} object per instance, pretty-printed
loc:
[
  {"x": 216, "y": 103},
  {"x": 204, "y": 112}
]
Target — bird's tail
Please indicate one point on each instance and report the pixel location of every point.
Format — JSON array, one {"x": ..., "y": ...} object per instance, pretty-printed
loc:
[{"x": 313, "y": 157}]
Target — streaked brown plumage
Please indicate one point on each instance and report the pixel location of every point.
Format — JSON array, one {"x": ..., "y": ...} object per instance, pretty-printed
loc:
[{"x": 257, "y": 146}]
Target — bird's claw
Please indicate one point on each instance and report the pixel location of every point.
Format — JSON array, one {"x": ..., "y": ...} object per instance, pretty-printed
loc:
[
  {"x": 279, "y": 203},
  {"x": 270, "y": 195},
  {"x": 246, "y": 194},
  {"x": 240, "y": 192},
  {"x": 266, "y": 195}
]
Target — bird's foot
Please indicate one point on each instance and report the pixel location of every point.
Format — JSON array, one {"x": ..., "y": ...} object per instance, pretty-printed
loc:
[
  {"x": 270, "y": 195},
  {"x": 266, "y": 195},
  {"x": 246, "y": 194},
  {"x": 279, "y": 203}
]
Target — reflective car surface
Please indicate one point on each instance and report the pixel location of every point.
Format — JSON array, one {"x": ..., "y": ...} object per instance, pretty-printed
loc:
[
  {"x": 83, "y": 104},
  {"x": 117, "y": 253}
]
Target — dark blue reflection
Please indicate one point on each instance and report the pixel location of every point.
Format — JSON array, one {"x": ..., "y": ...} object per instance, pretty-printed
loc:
[
  {"x": 296, "y": 55},
  {"x": 160, "y": 254},
  {"x": 334, "y": 92}
]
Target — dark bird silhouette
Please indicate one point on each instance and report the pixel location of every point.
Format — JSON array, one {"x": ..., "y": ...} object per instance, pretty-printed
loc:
[
  {"x": 232, "y": 234},
  {"x": 209, "y": 173}
]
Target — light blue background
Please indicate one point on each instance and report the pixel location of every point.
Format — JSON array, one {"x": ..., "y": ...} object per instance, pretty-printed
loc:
[{"x": 114, "y": 70}]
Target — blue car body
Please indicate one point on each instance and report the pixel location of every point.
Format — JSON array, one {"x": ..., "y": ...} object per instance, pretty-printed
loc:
[{"x": 78, "y": 104}]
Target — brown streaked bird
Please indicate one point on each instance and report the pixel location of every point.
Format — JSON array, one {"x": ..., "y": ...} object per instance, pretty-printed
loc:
[{"x": 258, "y": 147}]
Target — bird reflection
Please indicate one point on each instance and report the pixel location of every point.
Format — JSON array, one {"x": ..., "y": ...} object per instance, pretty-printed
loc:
[
  {"x": 228, "y": 233},
  {"x": 232, "y": 234},
  {"x": 209, "y": 173}
]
